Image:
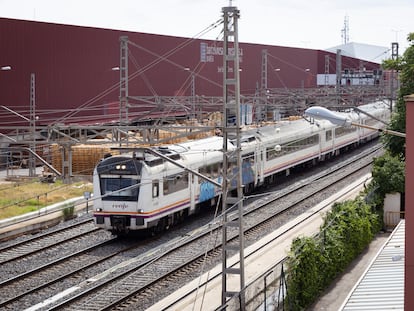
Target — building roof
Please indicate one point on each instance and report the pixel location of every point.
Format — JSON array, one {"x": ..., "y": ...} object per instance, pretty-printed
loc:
[
  {"x": 371, "y": 53},
  {"x": 381, "y": 287}
]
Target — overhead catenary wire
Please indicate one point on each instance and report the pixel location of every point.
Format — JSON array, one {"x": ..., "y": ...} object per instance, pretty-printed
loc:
[{"x": 137, "y": 73}]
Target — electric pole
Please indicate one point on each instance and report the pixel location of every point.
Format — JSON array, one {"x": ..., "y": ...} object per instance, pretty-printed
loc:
[{"x": 232, "y": 161}]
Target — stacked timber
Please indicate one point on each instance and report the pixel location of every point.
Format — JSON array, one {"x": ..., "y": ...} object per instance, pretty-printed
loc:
[{"x": 84, "y": 157}]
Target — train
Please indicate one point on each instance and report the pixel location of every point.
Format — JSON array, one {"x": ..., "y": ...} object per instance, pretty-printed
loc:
[{"x": 138, "y": 190}]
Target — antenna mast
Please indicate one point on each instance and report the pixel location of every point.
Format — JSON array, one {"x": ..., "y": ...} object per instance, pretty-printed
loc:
[{"x": 345, "y": 31}]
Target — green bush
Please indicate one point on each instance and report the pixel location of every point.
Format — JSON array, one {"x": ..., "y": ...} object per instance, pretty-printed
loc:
[
  {"x": 314, "y": 262},
  {"x": 68, "y": 211}
]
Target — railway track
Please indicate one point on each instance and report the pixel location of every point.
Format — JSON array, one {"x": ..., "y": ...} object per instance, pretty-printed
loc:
[
  {"x": 35, "y": 285},
  {"x": 142, "y": 278},
  {"x": 39, "y": 243},
  {"x": 65, "y": 267}
]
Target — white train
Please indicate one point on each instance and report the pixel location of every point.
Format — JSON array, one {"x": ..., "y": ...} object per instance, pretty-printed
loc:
[{"x": 135, "y": 192}]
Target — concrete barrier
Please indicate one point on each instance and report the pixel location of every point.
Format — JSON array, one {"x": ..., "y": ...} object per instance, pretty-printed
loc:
[{"x": 35, "y": 221}]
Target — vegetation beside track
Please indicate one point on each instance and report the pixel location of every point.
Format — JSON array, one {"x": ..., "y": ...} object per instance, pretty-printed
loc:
[
  {"x": 17, "y": 198},
  {"x": 314, "y": 262}
]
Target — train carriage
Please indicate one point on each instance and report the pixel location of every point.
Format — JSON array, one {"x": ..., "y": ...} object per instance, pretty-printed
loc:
[{"x": 135, "y": 191}]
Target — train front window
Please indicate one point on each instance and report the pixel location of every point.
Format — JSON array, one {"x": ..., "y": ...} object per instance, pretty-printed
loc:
[
  {"x": 119, "y": 189},
  {"x": 119, "y": 177}
]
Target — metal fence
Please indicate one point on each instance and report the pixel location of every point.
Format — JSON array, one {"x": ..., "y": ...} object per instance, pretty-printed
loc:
[{"x": 265, "y": 293}]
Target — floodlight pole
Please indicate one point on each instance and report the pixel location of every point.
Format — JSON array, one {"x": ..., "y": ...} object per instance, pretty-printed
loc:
[
  {"x": 232, "y": 161},
  {"x": 318, "y": 112}
]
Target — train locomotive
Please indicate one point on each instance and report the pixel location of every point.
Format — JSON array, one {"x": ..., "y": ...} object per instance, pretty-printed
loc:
[{"x": 139, "y": 190}]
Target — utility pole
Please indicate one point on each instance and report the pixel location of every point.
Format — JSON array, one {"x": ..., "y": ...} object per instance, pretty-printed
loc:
[
  {"x": 193, "y": 96},
  {"x": 327, "y": 60},
  {"x": 32, "y": 159},
  {"x": 232, "y": 161},
  {"x": 338, "y": 75},
  {"x": 192, "y": 92},
  {"x": 394, "y": 75},
  {"x": 123, "y": 84},
  {"x": 263, "y": 87}
]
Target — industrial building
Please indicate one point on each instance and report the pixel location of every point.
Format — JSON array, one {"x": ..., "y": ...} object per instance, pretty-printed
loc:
[
  {"x": 63, "y": 86},
  {"x": 76, "y": 74}
]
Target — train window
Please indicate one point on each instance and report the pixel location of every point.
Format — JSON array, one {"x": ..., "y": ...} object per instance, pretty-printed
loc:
[
  {"x": 211, "y": 171},
  {"x": 328, "y": 135},
  {"x": 293, "y": 146},
  {"x": 202, "y": 170},
  {"x": 249, "y": 157},
  {"x": 155, "y": 188},
  {"x": 344, "y": 130},
  {"x": 215, "y": 169},
  {"x": 271, "y": 153},
  {"x": 175, "y": 183},
  {"x": 371, "y": 122}
]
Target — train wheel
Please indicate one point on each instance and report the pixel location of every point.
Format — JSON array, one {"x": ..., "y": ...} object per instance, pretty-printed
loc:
[{"x": 160, "y": 227}]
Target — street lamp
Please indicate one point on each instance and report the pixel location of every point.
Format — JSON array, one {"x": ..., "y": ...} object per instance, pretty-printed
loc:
[{"x": 318, "y": 112}]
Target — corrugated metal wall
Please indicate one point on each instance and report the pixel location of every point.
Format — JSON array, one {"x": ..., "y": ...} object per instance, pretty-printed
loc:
[{"x": 73, "y": 66}]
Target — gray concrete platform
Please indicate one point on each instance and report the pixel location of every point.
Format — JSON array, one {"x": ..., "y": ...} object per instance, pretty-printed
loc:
[{"x": 209, "y": 297}]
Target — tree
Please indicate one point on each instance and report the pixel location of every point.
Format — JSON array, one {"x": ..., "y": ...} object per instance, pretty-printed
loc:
[
  {"x": 388, "y": 174},
  {"x": 388, "y": 171},
  {"x": 405, "y": 67}
]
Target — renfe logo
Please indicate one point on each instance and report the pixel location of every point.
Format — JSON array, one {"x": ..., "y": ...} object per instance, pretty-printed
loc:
[{"x": 120, "y": 206}]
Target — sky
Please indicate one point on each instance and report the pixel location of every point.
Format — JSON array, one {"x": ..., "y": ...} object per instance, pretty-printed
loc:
[{"x": 314, "y": 24}]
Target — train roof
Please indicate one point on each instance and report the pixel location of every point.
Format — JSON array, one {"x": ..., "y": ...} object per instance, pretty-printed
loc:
[
  {"x": 212, "y": 143},
  {"x": 278, "y": 133}
]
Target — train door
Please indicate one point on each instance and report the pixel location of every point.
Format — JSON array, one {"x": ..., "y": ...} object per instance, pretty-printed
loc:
[
  {"x": 259, "y": 158},
  {"x": 193, "y": 182},
  {"x": 328, "y": 144}
]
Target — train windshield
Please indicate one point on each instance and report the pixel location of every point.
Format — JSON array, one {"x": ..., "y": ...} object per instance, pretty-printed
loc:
[
  {"x": 119, "y": 189},
  {"x": 119, "y": 178}
]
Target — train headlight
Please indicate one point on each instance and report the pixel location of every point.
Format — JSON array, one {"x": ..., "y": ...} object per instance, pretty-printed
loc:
[
  {"x": 278, "y": 148},
  {"x": 99, "y": 209},
  {"x": 140, "y": 210}
]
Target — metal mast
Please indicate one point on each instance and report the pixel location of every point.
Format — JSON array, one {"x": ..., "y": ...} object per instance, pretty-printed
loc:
[
  {"x": 394, "y": 56},
  {"x": 32, "y": 159},
  {"x": 123, "y": 81},
  {"x": 345, "y": 31},
  {"x": 263, "y": 87},
  {"x": 327, "y": 59},
  {"x": 232, "y": 161},
  {"x": 338, "y": 75},
  {"x": 193, "y": 96},
  {"x": 263, "y": 73}
]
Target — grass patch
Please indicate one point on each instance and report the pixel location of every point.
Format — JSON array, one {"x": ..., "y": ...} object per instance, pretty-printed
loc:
[{"x": 17, "y": 199}]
